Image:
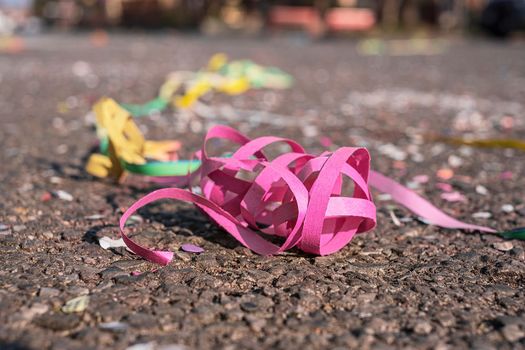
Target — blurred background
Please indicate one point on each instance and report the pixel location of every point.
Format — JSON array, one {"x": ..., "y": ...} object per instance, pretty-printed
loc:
[{"x": 317, "y": 18}]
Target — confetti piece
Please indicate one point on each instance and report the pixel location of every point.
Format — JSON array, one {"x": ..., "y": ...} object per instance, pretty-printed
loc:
[
  {"x": 77, "y": 304},
  {"x": 394, "y": 218},
  {"x": 506, "y": 175},
  {"x": 422, "y": 179},
  {"x": 445, "y": 173},
  {"x": 99, "y": 38},
  {"x": 46, "y": 196},
  {"x": 94, "y": 217},
  {"x": 301, "y": 205},
  {"x": 325, "y": 141},
  {"x": 142, "y": 346},
  {"x": 191, "y": 248},
  {"x": 482, "y": 215},
  {"x": 108, "y": 243},
  {"x": 507, "y": 208},
  {"x": 453, "y": 197},
  {"x": 481, "y": 190},
  {"x": 64, "y": 195},
  {"x": 444, "y": 187},
  {"x": 114, "y": 326},
  {"x": 11, "y": 44}
]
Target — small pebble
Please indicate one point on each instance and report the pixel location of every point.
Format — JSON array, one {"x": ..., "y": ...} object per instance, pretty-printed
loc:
[
  {"x": 507, "y": 208},
  {"x": 18, "y": 228},
  {"x": 512, "y": 333},
  {"x": 423, "y": 327},
  {"x": 413, "y": 185},
  {"x": 45, "y": 292},
  {"x": 455, "y": 161},
  {"x": 55, "y": 180},
  {"x": 503, "y": 246},
  {"x": 518, "y": 252},
  {"x": 383, "y": 197},
  {"x": 417, "y": 157},
  {"x": 47, "y": 234},
  {"x": 392, "y": 151},
  {"x": 78, "y": 304},
  {"x": 134, "y": 219},
  {"x": 310, "y": 131}
]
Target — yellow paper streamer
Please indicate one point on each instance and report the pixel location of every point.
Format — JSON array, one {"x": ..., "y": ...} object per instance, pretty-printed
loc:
[{"x": 126, "y": 142}]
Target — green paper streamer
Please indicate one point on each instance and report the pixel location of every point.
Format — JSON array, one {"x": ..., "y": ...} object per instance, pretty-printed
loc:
[
  {"x": 174, "y": 168},
  {"x": 156, "y": 105},
  {"x": 517, "y": 233}
]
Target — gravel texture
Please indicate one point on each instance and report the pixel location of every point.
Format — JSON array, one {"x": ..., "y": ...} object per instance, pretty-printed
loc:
[{"x": 408, "y": 285}]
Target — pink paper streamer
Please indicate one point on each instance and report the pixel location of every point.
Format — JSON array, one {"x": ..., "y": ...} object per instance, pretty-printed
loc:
[{"x": 296, "y": 196}]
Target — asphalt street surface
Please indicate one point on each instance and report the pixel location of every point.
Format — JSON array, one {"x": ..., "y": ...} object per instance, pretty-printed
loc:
[{"x": 405, "y": 284}]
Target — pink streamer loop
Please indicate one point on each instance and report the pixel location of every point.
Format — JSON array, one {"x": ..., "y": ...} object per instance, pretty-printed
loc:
[{"x": 296, "y": 196}]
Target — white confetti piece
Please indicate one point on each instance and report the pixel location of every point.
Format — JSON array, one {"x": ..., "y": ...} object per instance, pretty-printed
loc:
[
  {"x": 94, "y": 217},
  {"x": 481, "y": 190},
  {"x": 107, "y": 243},
  {"x": 482, "y": 215},
  {"x": 65, "y": 196}
]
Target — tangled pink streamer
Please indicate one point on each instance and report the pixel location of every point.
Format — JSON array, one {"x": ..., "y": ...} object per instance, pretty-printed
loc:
[{"x": 296, "y": 196}]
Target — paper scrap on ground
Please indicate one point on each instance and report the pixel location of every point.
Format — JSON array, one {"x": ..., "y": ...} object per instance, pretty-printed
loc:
[
  {"x": 108, "y": 243},
  {"x": 78, "y": 304},
  {"x": 191, "y": 248}
]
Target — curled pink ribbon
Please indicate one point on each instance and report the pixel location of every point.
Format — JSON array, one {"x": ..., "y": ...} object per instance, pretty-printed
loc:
[{"x": 296, "y": 196}]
